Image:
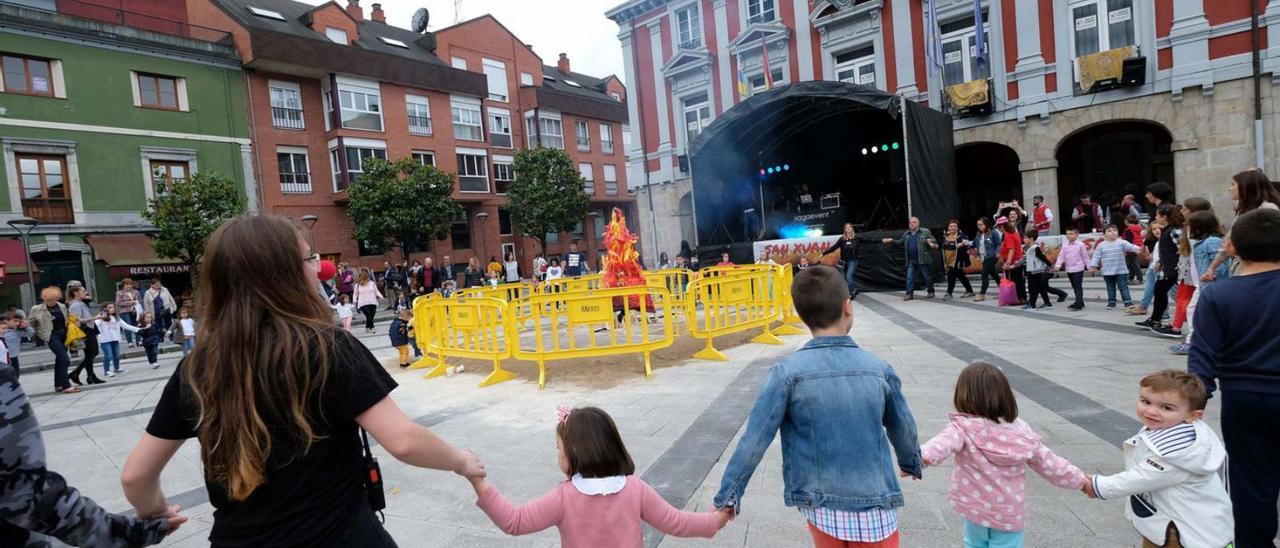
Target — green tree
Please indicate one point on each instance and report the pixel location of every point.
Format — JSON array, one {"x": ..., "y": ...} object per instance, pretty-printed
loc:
[
  {"x": 546, "y": 195},
  {"x": 395, "y": 204},
  {"x": 185, "y": 213}
]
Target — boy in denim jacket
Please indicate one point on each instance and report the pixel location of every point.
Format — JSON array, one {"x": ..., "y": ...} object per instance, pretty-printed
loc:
[{"x": 839, "y": 408}]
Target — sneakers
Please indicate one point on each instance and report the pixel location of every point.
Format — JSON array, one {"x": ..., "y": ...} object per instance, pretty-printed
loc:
[
  {"x": 121, "y": 371},
  {"x": 155, "y": 365},
  {"x": 1146, "y": 324},
  {"x": 1111, "y": 306},
  {"x": 1076, "y": 307},
  {"x": 404, "y": 366},
  {"x": 1029, "y": 307},
  {"x": 1128, "y": 306},
  {"x": 1165, "y": 331},
  {"x": 1062, "y": 297},
  {"x": 908, "y": 297},
  {"x": 110, "y": 374},
  {"x": 1137, "y": 310},
  {"x": 1046, "y": 305},
  {"x": 1180, "y": 349},
  {"x": 929, "y": 296},
  {"x": 979, "y": 298},
  {"x": 946, "y": 296},
  {"x": 967, "y": 295}
]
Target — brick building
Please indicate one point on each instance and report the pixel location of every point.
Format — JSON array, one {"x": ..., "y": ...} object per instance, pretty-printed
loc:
[
  {"x": 1175, "y": 100},
  {"x": 330, "y": 86}
]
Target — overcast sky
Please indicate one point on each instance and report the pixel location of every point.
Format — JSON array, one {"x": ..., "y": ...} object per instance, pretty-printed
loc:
[{"x": 576, "y": 27}]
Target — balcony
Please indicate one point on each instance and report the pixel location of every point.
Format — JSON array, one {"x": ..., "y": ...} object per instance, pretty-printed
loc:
[
  {"x": 287, "y": 118},
  {"x": 691, "y": 44},
  {"x": 49, "y": 211},
  {"x": 295, "y": 183},
  {"x": 500, "y": 140},
  {"x": 972, "y": 98},
  {"x": 419, "y": 125}
]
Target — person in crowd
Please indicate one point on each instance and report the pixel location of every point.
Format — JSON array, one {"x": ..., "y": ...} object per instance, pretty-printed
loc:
[
  {"x": 415, "y": 269},
  {"x": 1074, "y": 258},
  {"x": 392, "y": 281},
  {"x": 160, "y": 304},
  {"x": 1038, "y": 271},
  {"x": 1129, "y": 206},
  {"x": 184, "y": 330},
  {"x": 1235, "y": 343},
  {"x": 1205, "y": 240},
  {"x": 28, "y": 333},
  {"x": 1151, "y": 237},
  {"x": 345, "y": 311},
  {"x": 724, "y": 259},
  {"x": 664, "y": 262},
  {"x": 555, "y": 271},
  {"x": 283, "y": 460},
  {"x": 987, "y": 244},
  {"x": 1182, "y": 292},
  {"x": 1041, "y": 215},
  {"x": 367, "y": 297},
  {"x": 916, "y": 242},
  {"x": 49, "y": 319},
  {"x": 492, "y": 278},
  {"x": 428, "y": 279},
  {"x": 848, "y": 245},
  {"x": 955, "y": 259},
  {"x": 993, "y": 450},
  {"x": 1250, "y": 189},
  {"x": 511, "y": 268},
  {"x": 1166, "y": 263},
  {"x": 109, "y": 329},
  {"x": 803, "y": 265},
  {"x": 413, "y": 291},
  {"x": 399, "y": 334},
  {"x": 1013, "y": 257},
  {"x": 448, "y": 288},
  {"x": 346, "y": 280},
  {"x": 1087, "y": 215},
  {"x": 539, "y": 268},
  {"x": 603, "y": 502},
  {"x": 494, "y": 267},
  {"x": 1173, "y": 469},
  {"x": 1159, "y": 193},
  {"x": 473, "y": 276},
  {"x": 575, "y": 262},
  {"x": 1132, "y": 233},
  {"x": 1013, "y": 211},
  {"x": 150, "y": 335},
  {"x": 128, "y": 305},
  {"x": 446, "y": 272},
  {"x": 837, "y": 468},
  {"x": 87, "y": 319},
  {"x": 13, "y": 339},
  {"x": 1109, "y": 258},
  {"x": 401, "y": 302}
]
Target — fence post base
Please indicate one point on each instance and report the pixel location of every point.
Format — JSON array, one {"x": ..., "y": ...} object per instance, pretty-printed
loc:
[
  {"x": 766, "y": 338},
  {"x": 499, "y": 375},
  {"x": 423, "y": 362},
  {"x": 648, "y": 368},
  {"x": 542, "y": 375},
  {"x": 787, "y": 329},
  {"x": 711, "y": 354}
]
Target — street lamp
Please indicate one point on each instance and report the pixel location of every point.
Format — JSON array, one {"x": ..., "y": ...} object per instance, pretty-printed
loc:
[
  {"x": 310, "y": 221},
  {"x": 482, "y": 217},
  {"x": 24, "y": 226}
]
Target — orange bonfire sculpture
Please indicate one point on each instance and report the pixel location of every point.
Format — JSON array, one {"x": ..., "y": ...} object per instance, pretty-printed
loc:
[{"x": 622, "y": 264}]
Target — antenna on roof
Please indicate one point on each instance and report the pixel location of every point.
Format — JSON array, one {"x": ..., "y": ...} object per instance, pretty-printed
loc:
[
  {"x": 420, "y": 19},
  {"x": 457, "y": 11}
]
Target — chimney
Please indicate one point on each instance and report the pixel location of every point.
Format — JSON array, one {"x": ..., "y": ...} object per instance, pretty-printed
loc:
[
  {"x": 377, "y": 14},
  {"x": 563, "y": 63},
  {"x": 353, "y": 9}
]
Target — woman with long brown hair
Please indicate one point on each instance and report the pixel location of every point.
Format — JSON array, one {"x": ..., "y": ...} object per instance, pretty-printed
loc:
[
  {"x": 366, "y": 297},
  {"x": 276, "y": 394},
  {"x": 1250, "y": 190}
]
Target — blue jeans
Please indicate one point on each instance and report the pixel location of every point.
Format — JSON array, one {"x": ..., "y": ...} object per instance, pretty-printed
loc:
[
  {"x": 1149, "y": 293},
  {"x": 110, "y": 356},
  {"x": 61, "y": 360},
  {"x": 1121, "y": 280},
  {"x": 924, "y": 270},
  {"x": 850, "y": 275},
  {"x": 188, "y": 344},
  {"x": 989, "y": 272},
  {"x": 131, "y": 319},
  {"x": 977, "y": 536}
]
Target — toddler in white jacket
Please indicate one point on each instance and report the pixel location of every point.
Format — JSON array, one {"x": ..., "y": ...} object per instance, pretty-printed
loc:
[{"x": 1173, "y": 468}]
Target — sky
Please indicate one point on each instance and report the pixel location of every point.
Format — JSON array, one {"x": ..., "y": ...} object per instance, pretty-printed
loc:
[{"x": 576, "y": 27}]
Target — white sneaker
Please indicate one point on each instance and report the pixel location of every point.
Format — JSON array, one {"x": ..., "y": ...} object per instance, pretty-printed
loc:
[
  {"x": 111, "y": 374},
  {"x": 155, "y": 365},
  {"x": 122, "y": 371}
]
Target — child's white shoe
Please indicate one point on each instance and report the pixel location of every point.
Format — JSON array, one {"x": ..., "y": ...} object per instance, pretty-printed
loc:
[{"x": 155, "y": 365}]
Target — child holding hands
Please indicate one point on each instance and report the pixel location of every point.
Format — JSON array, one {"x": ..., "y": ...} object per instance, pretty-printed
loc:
[
  {"x": 993, "y": 450},
  {"x": 603, "y": 502}
]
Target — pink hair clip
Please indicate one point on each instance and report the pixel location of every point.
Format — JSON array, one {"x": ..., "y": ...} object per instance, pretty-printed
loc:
[{"x": 562, "y": 414}]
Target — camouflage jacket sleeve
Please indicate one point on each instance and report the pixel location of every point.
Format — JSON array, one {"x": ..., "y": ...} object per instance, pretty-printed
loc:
[{"x": 39, "y": 500}]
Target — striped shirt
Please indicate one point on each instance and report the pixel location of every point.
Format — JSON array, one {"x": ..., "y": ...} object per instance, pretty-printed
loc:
[
  {"x": 1168, "y": 441},
  {"x": 872, "y": 525},
  {"x": 1110, "y": 255}
]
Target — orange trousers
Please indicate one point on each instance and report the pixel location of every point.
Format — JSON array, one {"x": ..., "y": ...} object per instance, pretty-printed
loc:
[
  {"x": 1185, "y": 291},
  {"x": 823, "y": 540}
]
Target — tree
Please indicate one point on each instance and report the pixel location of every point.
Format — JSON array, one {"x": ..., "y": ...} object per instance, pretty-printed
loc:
[
  {"x": 546, "y": 195},
  {"x": 395, "y": 204},
  {"x": 185, "y": 213}
]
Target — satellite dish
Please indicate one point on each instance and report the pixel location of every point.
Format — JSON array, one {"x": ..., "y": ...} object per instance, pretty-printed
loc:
[{"x": 420, "y": 19}]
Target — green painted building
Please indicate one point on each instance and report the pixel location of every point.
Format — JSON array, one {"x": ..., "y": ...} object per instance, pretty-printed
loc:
[{"x": 92, "y": 116}]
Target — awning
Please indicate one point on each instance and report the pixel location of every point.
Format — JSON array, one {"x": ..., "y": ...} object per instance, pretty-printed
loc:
[
  {"x": 14, "y": 257},
  {"x": 132, "y": 255}
]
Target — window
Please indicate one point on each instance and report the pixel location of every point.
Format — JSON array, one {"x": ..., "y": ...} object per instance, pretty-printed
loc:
[
  {"x": 295, "y": 177},
  {"x": 611, "y": 179},
  {"x": 550, "y": 134},
  {"x": 495, "y": 72},
  {"x": 606, "y": 138},
  {"x": 460, "y": 233},
  {"x": 45, "y": 196},
  {"x": 583, "y": 133},
  {"x": 588, "y": 179},
  {"x": 526, "y": 79},
  {"x": 286, "y": 105},
  {"x": 697, "y": 116},
  {"x": 361, "y": 105},
  {"x": 758, "y": 83},
  {"x": 616, "y": 96},
  {"x": 459, "y": 63},
  {"x": 473, "y": 172},
  {"x": 425, "y": 158},
  {"x": 499, "y": 128},
  {"x": 504, "y": 223},
  {"x": 689, "y": 28},
  {"x": 157, "y": 91},
  {"x": 760, "y": 11},
  {"x": 1092, "y": 35},
  {"x": 857, "y": 67},
  {"x": 602, "y": 220},
  {"x": 419, "y": 111},
  {"x": 503, "y": 174},
  {"x": 960, "y": 53},
  {"x": 338, "y": 36},
  {"x": 164, "y": 172},
  {"x": 356, "y": 156},
  {"x": 626, "y": 138},
  {"x": 266, "y": 13},
  {"x": 394, "y": 42},
  {"x": 28, "y": 76},
  {"x": 466, "y": 119}
]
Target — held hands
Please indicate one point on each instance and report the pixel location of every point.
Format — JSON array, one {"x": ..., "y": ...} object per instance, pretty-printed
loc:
[
  {"x": 724, "y": 515},
  {"x": 906, "y": 474},
  {"x": 471, "y": 467},
  {"x": 1208, "y": 277},
  {"x": 1087, "y": 488},
  {"x": 171, "y": 514},
  {"x": 933, "y": 244},
  {"x": 886, "y": 240}
]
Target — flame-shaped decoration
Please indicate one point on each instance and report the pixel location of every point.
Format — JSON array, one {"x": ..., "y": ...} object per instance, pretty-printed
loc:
[{"x": 622, "y": 263}]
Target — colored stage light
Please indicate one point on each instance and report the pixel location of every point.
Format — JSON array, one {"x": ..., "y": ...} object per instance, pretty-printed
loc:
[
  {"x": 762, "y": 171},
  {"x": 813, "y": 233},
  {"x": 786, "y": 167},
  {"x": 884, "y": 148},
  {"x": 874, "y": 150},
  {"x": 770, "y": 170},
  {"x": 895, "y": 146},
  {"x": 864, "y": 151}
]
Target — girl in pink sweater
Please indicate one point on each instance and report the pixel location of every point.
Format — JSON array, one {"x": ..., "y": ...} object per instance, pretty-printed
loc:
[
  {"x": 993, "y": 449},
  {"x": 602, "y": 503}
]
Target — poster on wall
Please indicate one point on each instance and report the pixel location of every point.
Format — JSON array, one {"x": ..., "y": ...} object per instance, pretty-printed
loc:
[{"x": 790, "y": 250}]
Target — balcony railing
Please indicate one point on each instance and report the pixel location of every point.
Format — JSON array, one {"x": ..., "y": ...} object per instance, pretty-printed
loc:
[
  {"x": 502, "y": 140},
  {"x": 690, "y": 44},
  {"x": 419, "y": 125},
  {"x": 49, "y": 211},
  {"x": 607, "y": 147},
  {"x": 295, "y": 183},
  {"x": 611, "y": 188},
  {"x": 288, "y": 118}
]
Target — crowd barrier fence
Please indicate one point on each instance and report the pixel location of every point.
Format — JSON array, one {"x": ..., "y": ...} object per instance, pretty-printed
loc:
[
  {"x": 731, "y": 303},
  {"x": 480, "y": 328}
]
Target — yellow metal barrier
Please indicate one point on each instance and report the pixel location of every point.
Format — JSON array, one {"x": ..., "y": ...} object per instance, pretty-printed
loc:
[
  {"x": 593, "y": 323},
  {"x": 788, "y": 316},
  {"x": 580, "y": 283},
  {"x": 676, "y": 281},
  {"x": 476, "y": 327},
  {"x": 730, "y": 304},
  {"x": 733, "y": 270}
]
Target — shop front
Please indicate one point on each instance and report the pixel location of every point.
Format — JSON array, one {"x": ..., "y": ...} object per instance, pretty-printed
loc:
[{"x": 131, "y": 256}]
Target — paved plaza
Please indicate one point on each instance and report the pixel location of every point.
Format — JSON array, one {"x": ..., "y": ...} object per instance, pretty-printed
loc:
[{"x": 1075, "y": 373}]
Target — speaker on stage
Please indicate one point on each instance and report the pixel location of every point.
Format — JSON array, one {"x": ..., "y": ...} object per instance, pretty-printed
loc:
[{"x": 683, "y": 161}]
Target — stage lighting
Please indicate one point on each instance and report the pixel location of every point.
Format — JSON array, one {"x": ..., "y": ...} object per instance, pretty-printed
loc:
[
  {"x": 895, "y": 146},
  {"x": 864, "y": 151},
  {"x": 762, "y": 171},
  {"x": 813, "y": 233},
  {"x": 884, "y": 148},
  {"x": 786, "y": 167},
  {"x": 771, "y": 170},
  {"x": 874, "y": 150}
]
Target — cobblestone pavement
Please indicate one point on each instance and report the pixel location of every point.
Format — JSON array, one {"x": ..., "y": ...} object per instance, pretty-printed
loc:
[{"x": 1075, "y": 373}]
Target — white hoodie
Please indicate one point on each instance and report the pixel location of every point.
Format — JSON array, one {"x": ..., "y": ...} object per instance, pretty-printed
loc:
[{"x": 1172, "y": 476}]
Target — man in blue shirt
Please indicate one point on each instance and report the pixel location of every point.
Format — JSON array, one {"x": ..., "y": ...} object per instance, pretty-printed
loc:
[
  {"x": 575, "y": 262},
  {"x": 1235, "y": 343},
  {"x": 919, "y": 258}
]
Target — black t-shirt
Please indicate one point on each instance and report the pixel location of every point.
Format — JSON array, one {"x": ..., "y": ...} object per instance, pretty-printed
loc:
[{"x": 308, "y": 499}]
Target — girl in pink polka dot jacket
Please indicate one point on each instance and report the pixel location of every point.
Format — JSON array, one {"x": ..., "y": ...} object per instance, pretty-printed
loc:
[{"x": 993, "y": 449}]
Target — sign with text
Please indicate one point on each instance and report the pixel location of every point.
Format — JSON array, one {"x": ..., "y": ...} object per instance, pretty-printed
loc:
[
  {"x": 591, "y": 310},
  {"x": 791, "y": 250}
]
